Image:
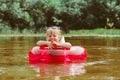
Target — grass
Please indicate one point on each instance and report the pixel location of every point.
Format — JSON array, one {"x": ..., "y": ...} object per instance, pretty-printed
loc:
[
  {"x": 7, "y": 31},
  {"x": 96, "y": 32}
]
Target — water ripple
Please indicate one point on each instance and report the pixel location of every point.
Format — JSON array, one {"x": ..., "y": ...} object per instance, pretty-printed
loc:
[{"x": 2, "y": 70}]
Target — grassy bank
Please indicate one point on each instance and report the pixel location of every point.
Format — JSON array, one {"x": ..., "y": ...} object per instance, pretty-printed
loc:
[
  {"x": 96, "y": 32},
  {"x": 93, "y": 32}
]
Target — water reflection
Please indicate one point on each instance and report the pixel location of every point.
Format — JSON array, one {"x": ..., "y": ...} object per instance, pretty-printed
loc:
[
  {"x": 2, "y": 70},
  {"x": 59, "y": 69}
]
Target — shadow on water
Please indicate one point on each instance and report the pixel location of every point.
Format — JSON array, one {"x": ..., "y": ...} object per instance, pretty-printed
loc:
[{"x": 102, "y": 61}]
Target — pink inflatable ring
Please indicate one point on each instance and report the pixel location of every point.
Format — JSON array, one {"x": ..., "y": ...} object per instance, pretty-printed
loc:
[{"x": 58, "y": 55}]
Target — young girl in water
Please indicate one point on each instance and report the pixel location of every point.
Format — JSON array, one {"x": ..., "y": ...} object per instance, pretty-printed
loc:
[{"x": 54, "y": 39}]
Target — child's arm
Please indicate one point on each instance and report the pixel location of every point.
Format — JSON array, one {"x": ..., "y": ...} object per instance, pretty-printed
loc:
[
  {"x": 39, "y": 43},
  {"x": 66, "y": 44}
]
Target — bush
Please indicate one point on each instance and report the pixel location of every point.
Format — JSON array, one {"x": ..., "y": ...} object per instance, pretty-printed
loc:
[{"x": 69, "y": 14}]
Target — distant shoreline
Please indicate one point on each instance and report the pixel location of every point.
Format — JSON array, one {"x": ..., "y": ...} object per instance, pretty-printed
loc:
[
  {"x": 100, "y": 32},
  {"x": 66, "y": 35}
]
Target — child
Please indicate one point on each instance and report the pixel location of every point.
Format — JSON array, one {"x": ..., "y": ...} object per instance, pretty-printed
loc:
[{"x": 53, "y": 39}]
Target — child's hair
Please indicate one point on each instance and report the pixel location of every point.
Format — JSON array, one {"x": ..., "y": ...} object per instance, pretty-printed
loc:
[{"x": 53, "y": 29}]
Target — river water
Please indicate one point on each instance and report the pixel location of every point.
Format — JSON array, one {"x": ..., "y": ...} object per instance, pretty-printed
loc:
[{"x": 102, "y": 60}]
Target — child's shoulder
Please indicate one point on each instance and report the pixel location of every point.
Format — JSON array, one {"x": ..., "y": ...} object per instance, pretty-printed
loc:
[{"x": 62, "y": 40}]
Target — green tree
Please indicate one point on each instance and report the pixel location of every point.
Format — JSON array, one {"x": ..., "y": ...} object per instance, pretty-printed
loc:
[{"x": 69, "y": 14}]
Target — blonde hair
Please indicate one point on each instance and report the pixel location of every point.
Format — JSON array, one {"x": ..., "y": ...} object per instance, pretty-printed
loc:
[{"x": 53, "y": 29}]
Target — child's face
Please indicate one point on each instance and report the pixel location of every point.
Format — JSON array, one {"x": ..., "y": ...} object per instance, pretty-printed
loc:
[{"x": 53, "y": 36}]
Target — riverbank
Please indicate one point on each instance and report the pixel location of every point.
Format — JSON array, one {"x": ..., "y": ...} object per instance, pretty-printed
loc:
[
  {"x": 72, "y": 33},
  {"x": 66, "y": 35}
]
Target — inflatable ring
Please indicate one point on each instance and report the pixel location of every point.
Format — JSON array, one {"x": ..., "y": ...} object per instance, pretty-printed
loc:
[{"x": 58, "y": 55}]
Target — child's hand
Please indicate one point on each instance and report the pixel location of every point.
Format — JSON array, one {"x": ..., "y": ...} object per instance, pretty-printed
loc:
[
  {"x": 49, "y": 45},
  {"x": 55, "y": 44}
]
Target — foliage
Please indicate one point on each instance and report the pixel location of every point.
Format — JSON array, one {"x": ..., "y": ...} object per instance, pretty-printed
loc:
[{"x": 69, "y": 14}]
